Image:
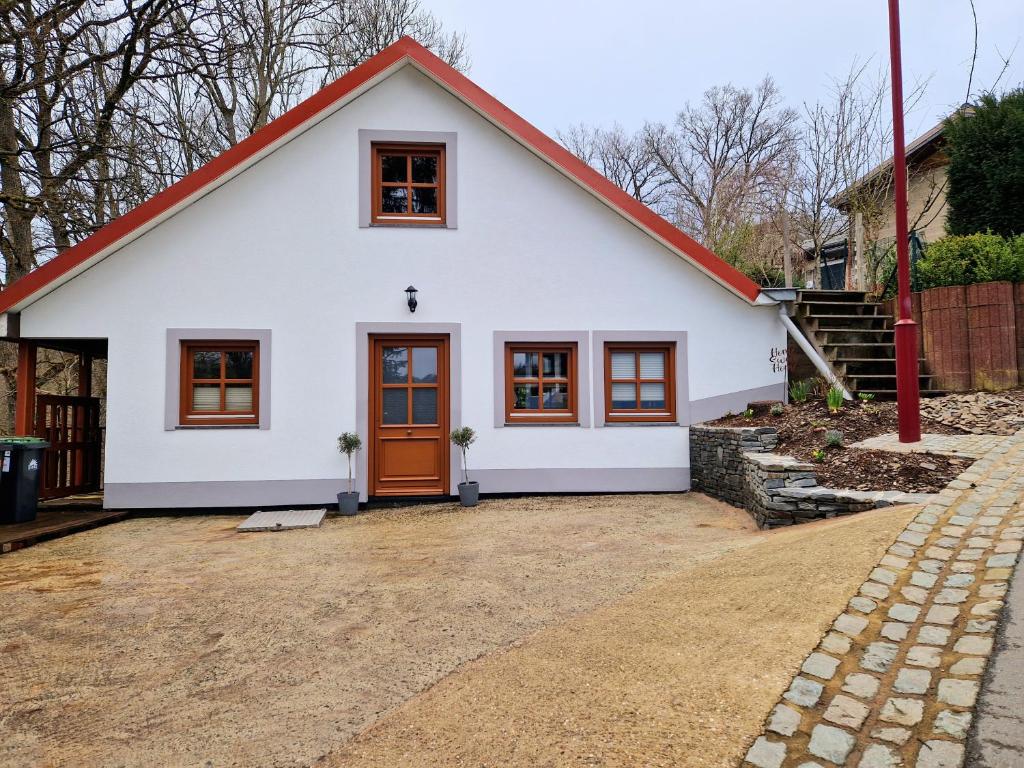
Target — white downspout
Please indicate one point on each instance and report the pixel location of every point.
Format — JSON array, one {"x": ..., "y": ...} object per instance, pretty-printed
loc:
[{"x": 811, "y": 352}]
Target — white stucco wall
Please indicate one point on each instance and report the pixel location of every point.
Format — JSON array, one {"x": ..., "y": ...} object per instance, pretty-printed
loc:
[{"x": 279, "y": 247}]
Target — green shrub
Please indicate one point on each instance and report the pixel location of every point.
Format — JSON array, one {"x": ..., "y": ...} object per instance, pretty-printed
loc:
[
  {"x": 777, "y": 409},
  {"x": 749, "y": 413},
  {"x": 833, "y": 439},
  {"x": 967, "y": 259},
  {"x": 799, "y": 390},
  {"x": 818, "y": 455}
]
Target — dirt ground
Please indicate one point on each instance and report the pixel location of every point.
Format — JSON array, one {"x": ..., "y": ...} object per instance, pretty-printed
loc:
[{"x": 606, "y": 627}]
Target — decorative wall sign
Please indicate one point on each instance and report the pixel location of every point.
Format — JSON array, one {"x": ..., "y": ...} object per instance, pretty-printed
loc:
[{"x": 778, "y": 358}]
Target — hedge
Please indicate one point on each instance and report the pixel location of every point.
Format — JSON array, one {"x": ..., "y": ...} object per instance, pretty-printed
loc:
[{"x": 967, "y": 259}]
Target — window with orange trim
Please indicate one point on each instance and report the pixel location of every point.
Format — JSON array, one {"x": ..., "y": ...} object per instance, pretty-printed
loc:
[
  {"x": 540, "y": 383},
  {"x": 219, "y": 382},
  {"x": 639, "y": 382},
  {"x": 408, "y": 184}
]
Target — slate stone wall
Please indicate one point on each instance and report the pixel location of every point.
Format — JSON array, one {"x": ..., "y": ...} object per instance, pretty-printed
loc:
[{"x": 736, "y": 465}]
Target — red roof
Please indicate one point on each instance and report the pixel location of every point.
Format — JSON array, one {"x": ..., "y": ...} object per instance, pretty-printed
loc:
[{"x": 120, "y": 231}]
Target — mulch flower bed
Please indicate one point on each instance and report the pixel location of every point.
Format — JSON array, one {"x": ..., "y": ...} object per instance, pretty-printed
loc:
[{"x": 802, "y": 428}]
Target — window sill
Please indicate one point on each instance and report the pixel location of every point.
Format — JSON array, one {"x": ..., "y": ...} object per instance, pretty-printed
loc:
[
  {"x": 642, "y": 424},
  {"x": 410, "y": 224},
  {"x": 217, "y": 426},
  {"x": 542, "y": 424}
]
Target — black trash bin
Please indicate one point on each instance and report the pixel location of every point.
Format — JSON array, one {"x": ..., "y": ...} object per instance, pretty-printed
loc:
[{"x": 21, "y": 460}]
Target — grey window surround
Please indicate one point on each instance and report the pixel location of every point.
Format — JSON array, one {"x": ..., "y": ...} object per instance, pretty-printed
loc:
[
  {"x": 582, "y": 341},
  {"x": 600, "y": 338},
  {"x": 368, "y": 137},
  {"x": 172, "y": 388}
]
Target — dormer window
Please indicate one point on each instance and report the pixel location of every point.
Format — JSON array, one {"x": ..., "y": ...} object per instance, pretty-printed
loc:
[{"x": 409, "y": 184}]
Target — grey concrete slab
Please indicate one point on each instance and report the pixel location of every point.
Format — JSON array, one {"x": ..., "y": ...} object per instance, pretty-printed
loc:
[
  {"x": 997, "y": 737},
  {"x": 283, "y": 520}
]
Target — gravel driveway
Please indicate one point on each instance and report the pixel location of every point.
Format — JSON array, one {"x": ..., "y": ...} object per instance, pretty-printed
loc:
[{"x": 177, "y": 641}]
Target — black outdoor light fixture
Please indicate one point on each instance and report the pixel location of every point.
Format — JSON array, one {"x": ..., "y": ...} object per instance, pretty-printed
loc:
[{"x": 411, "y": 293}]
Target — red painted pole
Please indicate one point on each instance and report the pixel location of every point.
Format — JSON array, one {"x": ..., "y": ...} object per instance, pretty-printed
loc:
[{"x": 908, "y": 396}]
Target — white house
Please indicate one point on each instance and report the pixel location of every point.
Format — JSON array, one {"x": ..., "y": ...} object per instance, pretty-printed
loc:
[{"x": 258, "y": 308}]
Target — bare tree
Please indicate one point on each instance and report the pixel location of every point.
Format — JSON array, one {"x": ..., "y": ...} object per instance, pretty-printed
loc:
[
  {"x": 727, "y": 158},
  {"x": 628, "y": 161}
]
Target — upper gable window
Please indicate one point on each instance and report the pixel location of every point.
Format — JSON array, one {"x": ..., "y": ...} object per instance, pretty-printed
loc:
[{"x": 408, "y": 184}]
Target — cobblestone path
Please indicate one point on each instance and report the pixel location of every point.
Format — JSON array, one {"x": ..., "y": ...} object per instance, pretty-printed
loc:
[
  {"x": 964, "y": 446},
  {"x": 895, "y": 680}
]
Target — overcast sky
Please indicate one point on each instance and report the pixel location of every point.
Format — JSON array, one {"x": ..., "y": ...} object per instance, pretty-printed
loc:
[{"x": 558, "y": 62}]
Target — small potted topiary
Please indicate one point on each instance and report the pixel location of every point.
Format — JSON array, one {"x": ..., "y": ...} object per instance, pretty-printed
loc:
[
  {"x": 348, "y": 501},
  {"x": 469, "y": 490}
]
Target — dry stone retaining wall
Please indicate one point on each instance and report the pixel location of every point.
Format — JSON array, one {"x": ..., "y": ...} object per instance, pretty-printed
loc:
[{"x": 736, "y": 465}]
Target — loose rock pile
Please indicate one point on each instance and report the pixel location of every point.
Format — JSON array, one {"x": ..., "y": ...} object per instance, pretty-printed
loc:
[{"x": 977, "y": 412}]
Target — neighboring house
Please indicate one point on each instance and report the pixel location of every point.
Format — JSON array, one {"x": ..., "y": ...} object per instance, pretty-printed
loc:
[
  {"x": 927, "y": 163},
  {"x": 257, "y": 308}
]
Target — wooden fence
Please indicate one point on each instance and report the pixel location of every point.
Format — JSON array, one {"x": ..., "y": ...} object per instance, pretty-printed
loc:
[{"x": 971, "y": 336}]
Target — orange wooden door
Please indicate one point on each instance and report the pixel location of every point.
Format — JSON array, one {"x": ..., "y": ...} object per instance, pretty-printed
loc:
[{"x": 409, "y": 416}]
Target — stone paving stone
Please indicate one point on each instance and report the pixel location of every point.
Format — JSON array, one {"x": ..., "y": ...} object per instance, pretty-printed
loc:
[
  {"x": 922, "y": 579},
  {"x": 878, "y": 657},
  {"x": 930, "y": 566},
  {"x": 875, "y": 590},
  {"x": 804, "y": 692},
  {"x": 892, "y": 734},
  {"x": 991, "y": 608},
  {"x": 950, "y": 596},
  {"x": 863, "y": 604},
  {"x": 959, "y": 693},
  {"x": 820, "y": 665},
  {"x": 912, "y": 681},
  {"x": 993, "y": 590},
  {"x": 883, "y": 576},
  {"x": 850, "y": 625},
  {"x": 860, "y": 684},
  {"x": 915, "y": 594},
  {"x": 973, "y": 665},
  {"x": 1001, "y": 561},
  {"x": 924, "y": 656},
  {"x": 942, "y": 614},
  {"x": 784, "y": 720},
  {"x": 929, "y": 635},
  {"x": 902, "y": 711},
  {"x": 955, "y": 724},
  {"x": 832, "y": 744},
  {"x": 975, "y": 646},
  {"x": 834, "y": 642},
  {"x": 899, "y": 563},
  {"x": 894, "y": 630},
  {"x": 940, "y": 754},
  {"x": 878, "y": 756},
  {"x": 978, "y": 625},
  {"x": 904, "y": 612},
  {"x": 846, "y": 711},
  {"x": 959, "y": 580},
  {"x": 766, "y": 754}
]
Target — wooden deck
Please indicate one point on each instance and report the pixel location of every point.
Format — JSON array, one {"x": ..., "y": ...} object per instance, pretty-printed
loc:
[{"x": 60, "y": 517}]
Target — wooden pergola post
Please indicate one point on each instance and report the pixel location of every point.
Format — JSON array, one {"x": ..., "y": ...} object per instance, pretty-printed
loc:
[
  {"x": 84, "y": 375},
  {"x": 25, "y": 404}
]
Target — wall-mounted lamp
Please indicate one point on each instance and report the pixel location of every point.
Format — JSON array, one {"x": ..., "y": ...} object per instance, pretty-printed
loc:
[{"x": 411, "y": 293}]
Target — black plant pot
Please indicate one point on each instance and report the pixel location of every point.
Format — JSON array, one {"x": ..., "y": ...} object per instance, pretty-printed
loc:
[
  {"x": 469, "y": 493},
  {"x": 348, "y": 503}
]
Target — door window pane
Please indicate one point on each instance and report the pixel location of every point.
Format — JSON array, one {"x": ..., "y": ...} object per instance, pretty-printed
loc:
[
  {"x": 395, "y": 405},
  {"x": 556, "y": 396},
  {"x": 238, "y": 365},
  {"x": 395, "y": 365},
  {"x": 238, "y": 397},
  {"x": 424, "y": 405},
  {"x": 652, "y": 395},
  {"x": 556, "y": 365},
  {"x": 206, "y": 397},
  {"x": 394, "y": 200},
  {"x": 424, "y": 170},
  {"x": 424, "y": 365},
  {"x": 624, "y": 395},
  {"x": 524, "y": 364},
  {"x": 526, "y": 396},
  {"x": 623, "y": 365},
  {"x": 424, "y": 200},
  {"x": 206, "y": 365},
  {"x": 652, "y": 365},
  {"x": 392, "y": 167}
]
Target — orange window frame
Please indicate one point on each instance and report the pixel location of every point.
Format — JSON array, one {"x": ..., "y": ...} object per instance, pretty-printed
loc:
[
  {"x": 638, "y": 414},
  {"x": 409, "y": 151},
  {"x": 540, "y": 415},
  {"x": 188, "y": 416}
]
